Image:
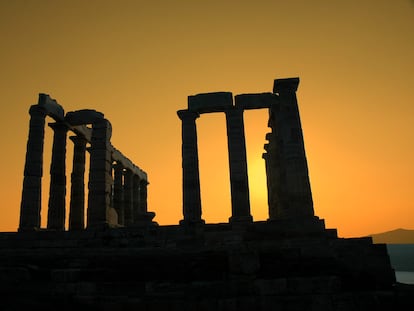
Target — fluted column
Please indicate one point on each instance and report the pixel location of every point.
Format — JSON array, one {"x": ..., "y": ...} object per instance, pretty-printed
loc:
[
  {"x": 57, "y": 191},
  {"x": 119, "y": 192},
  {"x": 100, "y": 174},
  {"x": 191, "y": 178},
  {"x": 136, "y": 198},
  {"x": 240, "y": 200},
  {"x": 33, "y": 171},
  {"x": 77, "y": 193},
  {"x": 128, "y": 198}
]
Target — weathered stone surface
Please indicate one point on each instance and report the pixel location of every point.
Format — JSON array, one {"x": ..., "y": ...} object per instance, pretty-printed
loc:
[
  {"x": 33, "y": 171},
  {"x": 57, "y": 196},
  {"x": 255, "y": 101},
  {"x": 289, "y": 191},
  {"x": 210, "y": 102},
  {"x": 191, "y": 177},
  {"x": 239, "y": 183},
  {"x": 51, "y": 106},
  {"x": 285, "y": 85},
  {"x": 77, "y": 194},
  {"x": 128, "y": 198},
  {"x": 118, "y": 198},
  {"x": 84, "y": 116}
]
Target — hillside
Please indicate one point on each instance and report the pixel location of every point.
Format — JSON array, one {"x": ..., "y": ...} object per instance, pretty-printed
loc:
[{"x": 398, "y": 236}]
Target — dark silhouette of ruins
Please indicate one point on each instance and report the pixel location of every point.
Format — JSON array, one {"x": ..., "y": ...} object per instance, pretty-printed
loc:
[
  {"x": 118, "y": 201},
  {"x": 122, "y": 260}
]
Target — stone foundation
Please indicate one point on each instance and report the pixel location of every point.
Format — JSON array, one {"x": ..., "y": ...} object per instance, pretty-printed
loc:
[{"x": 259, "y": 267}]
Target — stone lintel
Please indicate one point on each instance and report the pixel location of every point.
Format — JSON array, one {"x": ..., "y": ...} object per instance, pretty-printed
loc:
[
  {"x": 83, "y": 130},
  {"x": 127, "y": 163},
  {"x": 84, "y": 116},
  {"x": 117, "y": 156},
  {"x": 285, "y": 85},
  {"x": 255, "y": 101},
  {"x": 53, "y": 109},
  {"x": 210, "y": 102}
]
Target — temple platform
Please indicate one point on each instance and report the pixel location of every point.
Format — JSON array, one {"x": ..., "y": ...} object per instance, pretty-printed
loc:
[{"x": 259, "y": 266}]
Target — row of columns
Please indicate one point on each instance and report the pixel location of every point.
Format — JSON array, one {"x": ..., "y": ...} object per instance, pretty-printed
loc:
[
  {"x": 127, "y": 194},
  {"x": 130, "y": 197},
  {"x": 289, "y": 192},
  {"x": 237, "y": 164}
]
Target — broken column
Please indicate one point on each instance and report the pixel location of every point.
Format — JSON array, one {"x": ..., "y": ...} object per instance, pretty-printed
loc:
[
  {"x": 291, "y": 195},
  {"x": 32, "y": 182},
  {"x": 100, "y": 174},
  {"x": 191, "y": 178},
  {"x": 239, "y": 183},
  {"x": 57, "y": 195},
  {"x": 77, "y": 193}
]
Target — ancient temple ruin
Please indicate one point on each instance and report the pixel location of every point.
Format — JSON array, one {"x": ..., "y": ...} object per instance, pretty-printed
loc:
[
  {"x": 288, "y": 183},
  {"x": 124, "y": 261},
  {"x": 117, "y": 188}
]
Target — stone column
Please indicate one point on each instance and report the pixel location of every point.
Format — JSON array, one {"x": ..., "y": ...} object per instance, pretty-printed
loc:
[
  {"x": 100, "y": 174},
  {"x": 136, "y": 196},
  {"x": 77, "y": 193},
  {"x": 128, "y": 197},
  {"x": 57, "y": 191},
  {"x": 240, "y": 200},
  {"x": 119, "y": 192},
  {"x": 294, "y": 197},
  {"x": 274, "y": 186},
  {"x": 33, "y": 169},
  {"x": 143, "y": 208},
  {"x": 191, "y": 177}
]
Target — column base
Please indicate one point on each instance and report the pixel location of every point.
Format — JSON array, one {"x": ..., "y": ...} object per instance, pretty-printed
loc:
[
  {"x": 241, "y": 219},
  {"x": 144, "y": 220},
  {"x": 185, "y": 222},
  {"x": 193, "y": 228},
  {"x": 28, "y": 229}
]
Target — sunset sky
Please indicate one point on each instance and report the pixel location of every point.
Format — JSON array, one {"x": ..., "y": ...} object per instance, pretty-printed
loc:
[{"x": 137, "y": 61}]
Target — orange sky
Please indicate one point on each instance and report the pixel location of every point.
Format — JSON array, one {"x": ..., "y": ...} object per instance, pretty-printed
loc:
[{"x": 137, "y": 61}]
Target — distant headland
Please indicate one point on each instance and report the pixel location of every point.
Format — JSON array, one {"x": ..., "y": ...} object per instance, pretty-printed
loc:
[{"x": 397, "y": 236}]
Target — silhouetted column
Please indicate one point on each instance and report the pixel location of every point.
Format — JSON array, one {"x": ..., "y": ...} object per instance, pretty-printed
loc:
[
  {"x": 57, "y": 191},
  {"x": 136, "y": 198},
  {"x": 274, "y": 187},
  {"x": 119, "y": 192},
  {"x": 100, "y": 174},
  {"x": 32, "y": 182},
  {"x": 128, "y": 197},
  {"x": 77, "y": 192},
  {"x": 143, "y": 184},
  {"x": 240, "y": 201},
  {"x": 294, "y": 197},
  {"x": 191, "y": 178}
]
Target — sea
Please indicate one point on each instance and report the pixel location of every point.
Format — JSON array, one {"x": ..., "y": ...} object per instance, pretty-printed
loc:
[
  {"x": 402, "y": 260},
  {"x": 406, "y": 277}
]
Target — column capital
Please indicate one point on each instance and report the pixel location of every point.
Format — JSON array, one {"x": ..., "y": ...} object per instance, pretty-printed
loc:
[
  {"x": 58, "y": 126},
  {"x": 37, "y": 110},
  {"x": 289, "y": 85},
  {"x": 78, "y": 140},
  {"x": 118, "y": 166},
  {"x": 143, "y": 182},
  {"x": 187, "y": 115}
]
